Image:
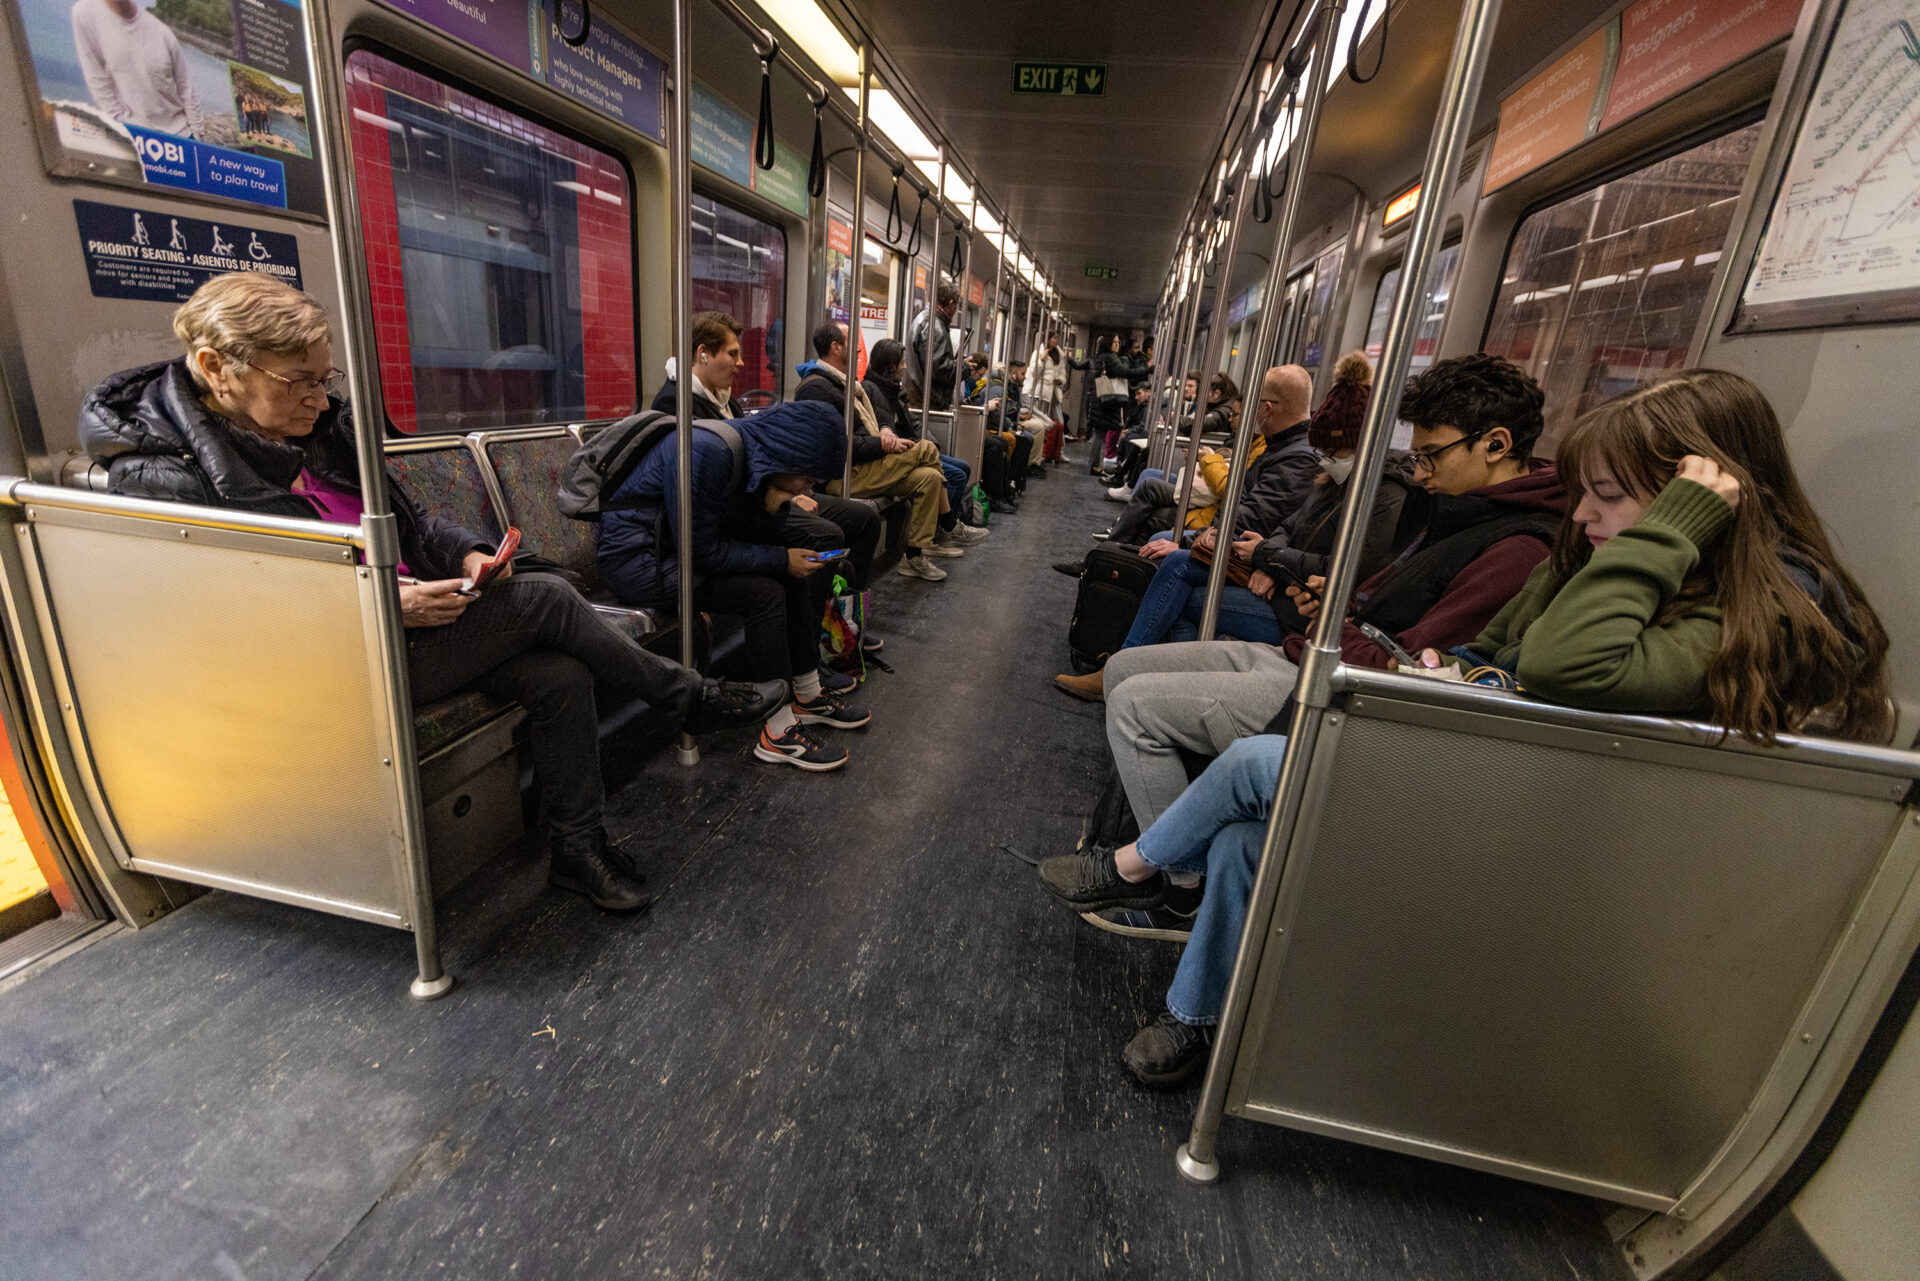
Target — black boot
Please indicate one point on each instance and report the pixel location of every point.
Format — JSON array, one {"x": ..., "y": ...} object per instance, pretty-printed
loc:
[
  {"x": 729, "y": 704},
  {"x": 584, "y": 865}
]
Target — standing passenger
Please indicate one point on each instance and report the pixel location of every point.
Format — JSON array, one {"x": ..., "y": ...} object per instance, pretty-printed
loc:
[{"x": 930, "y": 343}]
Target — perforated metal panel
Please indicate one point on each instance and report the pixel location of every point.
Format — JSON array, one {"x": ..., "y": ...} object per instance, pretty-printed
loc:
[
  {"x": 1561, "y": 962},
  {"x": 224, "y": 696}
]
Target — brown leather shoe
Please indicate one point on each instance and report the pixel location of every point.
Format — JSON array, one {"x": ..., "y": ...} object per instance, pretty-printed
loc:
[{"x": 1091, "y": 688}]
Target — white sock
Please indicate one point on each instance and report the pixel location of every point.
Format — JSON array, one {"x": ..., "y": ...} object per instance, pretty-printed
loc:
[
  {"x": 806, "y": 687},
  {"x": 1185, "y": 880},
  {"x": 781, "y": 721}
]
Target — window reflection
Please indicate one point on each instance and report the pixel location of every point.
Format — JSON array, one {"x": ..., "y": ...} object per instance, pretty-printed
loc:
[
  {"x": 1426, "y": 339},
  {"x": 1601, "y": 292},
  {"x": 740, "y": 267},
  {"x": 500, "y": 254}
]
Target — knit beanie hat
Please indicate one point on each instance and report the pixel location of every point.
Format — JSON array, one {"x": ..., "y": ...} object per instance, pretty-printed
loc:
[{"x": 1336, "y": 424}]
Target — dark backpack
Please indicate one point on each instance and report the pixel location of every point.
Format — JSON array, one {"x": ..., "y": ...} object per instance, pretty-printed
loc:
[{"x": 598, "y": 468}]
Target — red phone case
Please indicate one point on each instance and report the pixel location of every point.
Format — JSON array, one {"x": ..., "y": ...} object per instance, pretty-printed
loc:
[{"x": 508, "y": 546}]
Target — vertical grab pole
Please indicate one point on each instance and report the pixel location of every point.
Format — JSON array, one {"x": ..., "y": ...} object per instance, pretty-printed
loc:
[
  {"x": 377, "y": 523},
  {"x": 680, "y": 220},
  {"x": 1196, "y": 274},
  {"x": 1210, "y": 361},
  {"x": 1301, "y": 145},
  {"x": 1466, "y": 69},
  {"x": 858, "y": 248},
  {"x": 933, "y": 301},
  {"x": 993, "y": 303},
  {"x": 966, "y": 300}
]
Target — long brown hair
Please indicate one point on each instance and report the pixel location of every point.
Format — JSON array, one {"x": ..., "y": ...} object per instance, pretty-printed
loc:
[{"x": 1782, "y": 658}]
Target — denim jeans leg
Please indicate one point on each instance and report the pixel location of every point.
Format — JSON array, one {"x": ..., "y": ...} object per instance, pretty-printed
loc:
[
  {"x": 1166, "y": 597},
  {"x": 1237, "y": 787},
  {"x": 1243, "y": 616},
  {"x": 1199, "y": 989}
]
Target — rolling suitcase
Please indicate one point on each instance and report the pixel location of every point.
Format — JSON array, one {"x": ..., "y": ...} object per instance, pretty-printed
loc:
[{"x": 1111, "y": 585}]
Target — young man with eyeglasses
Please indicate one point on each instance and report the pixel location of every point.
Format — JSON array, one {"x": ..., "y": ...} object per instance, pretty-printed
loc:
[{"x": 1492, "y": 516}]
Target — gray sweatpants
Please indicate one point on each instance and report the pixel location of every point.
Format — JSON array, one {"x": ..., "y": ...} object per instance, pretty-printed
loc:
[{"x": 1200, "y": 695}]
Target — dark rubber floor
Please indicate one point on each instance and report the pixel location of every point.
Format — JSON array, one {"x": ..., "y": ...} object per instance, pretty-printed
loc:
[{"x": 852, "y": 1039}]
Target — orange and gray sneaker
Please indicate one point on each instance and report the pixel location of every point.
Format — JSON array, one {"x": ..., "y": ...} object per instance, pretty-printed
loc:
[
  {"x": 798, "y": 746},
  {"x": 1091, "y": 688}
]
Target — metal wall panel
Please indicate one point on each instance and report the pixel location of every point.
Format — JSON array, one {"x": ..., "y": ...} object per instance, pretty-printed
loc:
[
  {"x": 225, "y": 700},
  {"x": 1572, "y": 965}
]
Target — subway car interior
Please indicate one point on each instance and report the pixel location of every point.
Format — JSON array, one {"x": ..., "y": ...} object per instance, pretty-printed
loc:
[{"x": 1504, "y": 862}]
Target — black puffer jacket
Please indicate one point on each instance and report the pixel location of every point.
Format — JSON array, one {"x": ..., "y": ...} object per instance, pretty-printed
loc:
[
  {"x": 157, "y": 439},
  {"x": 1304, "y": 544},
  {"x": 1107, "y": 413}
]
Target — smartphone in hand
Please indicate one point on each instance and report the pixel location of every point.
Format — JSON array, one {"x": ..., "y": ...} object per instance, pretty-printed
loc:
[
  {"x": 820, "y": 558},
  {"x": 1294, "y": 577},
  {"x": 1390, "y": 645},
  {"x": 491, "y": 569}
]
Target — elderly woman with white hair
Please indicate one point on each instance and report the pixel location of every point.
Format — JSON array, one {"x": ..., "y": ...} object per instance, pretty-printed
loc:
[{"x": 248, "y": 419}]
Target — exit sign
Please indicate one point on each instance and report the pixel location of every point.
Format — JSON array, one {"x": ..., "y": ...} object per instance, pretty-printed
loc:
[
  {"x": 1103, "y": 273},
  {"x": 1062, "y": 79}
]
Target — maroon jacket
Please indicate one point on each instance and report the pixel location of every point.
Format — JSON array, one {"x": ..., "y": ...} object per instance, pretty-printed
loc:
[{"x": 1469, "y": 595}]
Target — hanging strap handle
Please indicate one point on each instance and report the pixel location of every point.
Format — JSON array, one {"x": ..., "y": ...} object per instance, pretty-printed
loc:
[
  {"x": 586, "y": 23},
  {"x": 1353, "y": 45},
  {"x": 957, "y": 263},
  {"x": 763, "y": 139},
  {"x": 913, "y": 241},
  {"x": 896, "y": 220},
  {"x": 817, "y": 162}
]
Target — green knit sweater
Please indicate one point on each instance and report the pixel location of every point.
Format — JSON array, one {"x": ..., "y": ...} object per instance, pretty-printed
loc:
[{"x": 1592, "y": 641}]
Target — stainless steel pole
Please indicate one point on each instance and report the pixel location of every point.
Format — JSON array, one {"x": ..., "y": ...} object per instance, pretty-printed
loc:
[
  {"x": 1313, "y": 691},
  {"x": 1216, "y": 343},
  {"x": 680, "y": 183},
  {"x": 966, "y": 298},
  {"x": 1196, "y": 284},
  {"x": 858, "y": 248},
  {"x": 1301, "y": 148},
  {"x": 360, "y": 351},
  {"x": 933, "y": 301},
  {"x": 993, "y": 304}
]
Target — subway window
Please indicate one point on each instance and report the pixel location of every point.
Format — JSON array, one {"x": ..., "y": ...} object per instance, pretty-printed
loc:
[
  {"x": 500, "y": 255},
  {"x": 1602, "y": 291},
  {"x": 1426, "y": 339},
  {"x": 740, "y": 267}
]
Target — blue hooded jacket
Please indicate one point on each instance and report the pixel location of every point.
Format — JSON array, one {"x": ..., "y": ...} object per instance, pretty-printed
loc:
[{"x": 732, "y": 532}]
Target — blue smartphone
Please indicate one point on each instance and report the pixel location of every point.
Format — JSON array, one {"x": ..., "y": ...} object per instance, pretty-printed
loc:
[{"x": 823, "y": 557}]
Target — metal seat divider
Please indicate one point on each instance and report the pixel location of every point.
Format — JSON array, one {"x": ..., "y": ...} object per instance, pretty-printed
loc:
[{"x": 1473, "y": 39}]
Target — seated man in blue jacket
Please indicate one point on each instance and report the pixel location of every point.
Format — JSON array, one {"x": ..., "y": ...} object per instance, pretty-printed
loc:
[{"x": 757, "y": 553}]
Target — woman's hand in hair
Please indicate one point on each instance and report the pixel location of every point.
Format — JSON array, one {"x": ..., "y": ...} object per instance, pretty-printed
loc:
[{"x": 1704, "y": 471}]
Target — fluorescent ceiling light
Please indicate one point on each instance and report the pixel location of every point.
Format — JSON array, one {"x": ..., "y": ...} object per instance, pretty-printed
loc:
[
  {"x": 983, "y": 219},
  {"x": 885, "y": 114},
  {"x": 818, "y": 38}
]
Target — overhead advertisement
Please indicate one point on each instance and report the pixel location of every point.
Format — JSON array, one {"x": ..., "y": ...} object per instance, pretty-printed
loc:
[
  {"x": 1644, "y": 55},
  {"x": 209, "y": 96},
  {"x": 1842, "y": 242}
]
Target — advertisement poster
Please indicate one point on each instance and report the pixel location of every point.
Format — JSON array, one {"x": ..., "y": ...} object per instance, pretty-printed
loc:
[
  {"x": 209, "y": 96},
  {"x": 612, "y": 74},
  {"x": 152, "y": 256},
  {"x": 839, "y": 269},
  {"x": 502, "y": 29}
]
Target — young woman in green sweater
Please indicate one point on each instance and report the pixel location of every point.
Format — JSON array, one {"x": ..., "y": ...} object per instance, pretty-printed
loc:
[{"x": 1692, "y": 578}]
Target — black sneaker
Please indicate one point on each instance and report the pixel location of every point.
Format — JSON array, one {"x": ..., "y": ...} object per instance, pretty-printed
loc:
[
  {"x": 728, "y": 704},
  {"x": 584, "y": 865},
  {"x": 830, "y": 710},
  {"x": 1167, "y": 1052},
  {"x": 872, "y": 644},
  {"x": 838, "y": 682},
  {"x": 1171, "y": 922},
  {"x": 1088, "y": 880},
  {"x": 799, "y": 747},
  {"x": 1071, "y": 568}
]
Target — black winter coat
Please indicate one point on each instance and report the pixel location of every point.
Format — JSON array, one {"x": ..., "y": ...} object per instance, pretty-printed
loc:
[
  {"x": 1304, "y": 544},
  {"x": 1278, "y": 482},
  {"x": 157, "y": 439}
]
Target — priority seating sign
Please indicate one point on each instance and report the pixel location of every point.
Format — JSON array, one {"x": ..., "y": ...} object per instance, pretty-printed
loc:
[{"x": 152, "y": 256}]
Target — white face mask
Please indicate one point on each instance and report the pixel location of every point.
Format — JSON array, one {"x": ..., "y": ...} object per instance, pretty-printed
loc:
[{"x": 1338, "y": 468}]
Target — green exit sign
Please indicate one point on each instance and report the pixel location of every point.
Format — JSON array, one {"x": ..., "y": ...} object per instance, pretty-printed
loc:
[
  {"x": 1103, "y": 273},
  {"x": 1062, "y": 79}
]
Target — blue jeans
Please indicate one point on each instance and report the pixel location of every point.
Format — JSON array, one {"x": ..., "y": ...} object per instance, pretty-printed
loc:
[
  {"x": 1151, "y": 473},
  {"x": 959, "y": 480},
  {"x": 1174, "y": 600},
  {"x": 1217, "y": 826}
]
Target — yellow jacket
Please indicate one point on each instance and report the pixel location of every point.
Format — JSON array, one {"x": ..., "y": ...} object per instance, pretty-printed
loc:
[{"x": 1213, "y": 470}]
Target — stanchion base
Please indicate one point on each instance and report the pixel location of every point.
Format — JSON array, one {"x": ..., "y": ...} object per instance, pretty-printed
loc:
[
  {"x": 430, "y": 989},
  {"x": 687, "y": 752},
  {"x": 1201, "y": 1172}
]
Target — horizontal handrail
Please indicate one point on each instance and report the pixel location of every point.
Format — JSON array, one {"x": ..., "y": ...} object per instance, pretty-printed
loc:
[
  {"x": 22, "y": 493},
  {"x": 1833, "y": 753}
]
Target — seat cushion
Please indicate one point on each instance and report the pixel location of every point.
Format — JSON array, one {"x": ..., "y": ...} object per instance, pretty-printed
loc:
[
  {"x": 452, "y": 718},
  {"x": 448, "y": 483},
  {"x": 529, "y": 474}
]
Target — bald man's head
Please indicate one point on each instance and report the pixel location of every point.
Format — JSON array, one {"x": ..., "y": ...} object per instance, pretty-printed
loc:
[{"x": 1289, "y": 389}]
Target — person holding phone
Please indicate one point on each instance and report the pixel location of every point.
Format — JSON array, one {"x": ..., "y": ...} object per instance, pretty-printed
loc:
[
  {"x": 247, "y": 419},
  {"x": 758, "y": 539}
]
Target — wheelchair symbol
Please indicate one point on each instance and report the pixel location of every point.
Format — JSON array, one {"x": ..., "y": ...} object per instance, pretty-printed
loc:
[{"x": 256, "y": 250}]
